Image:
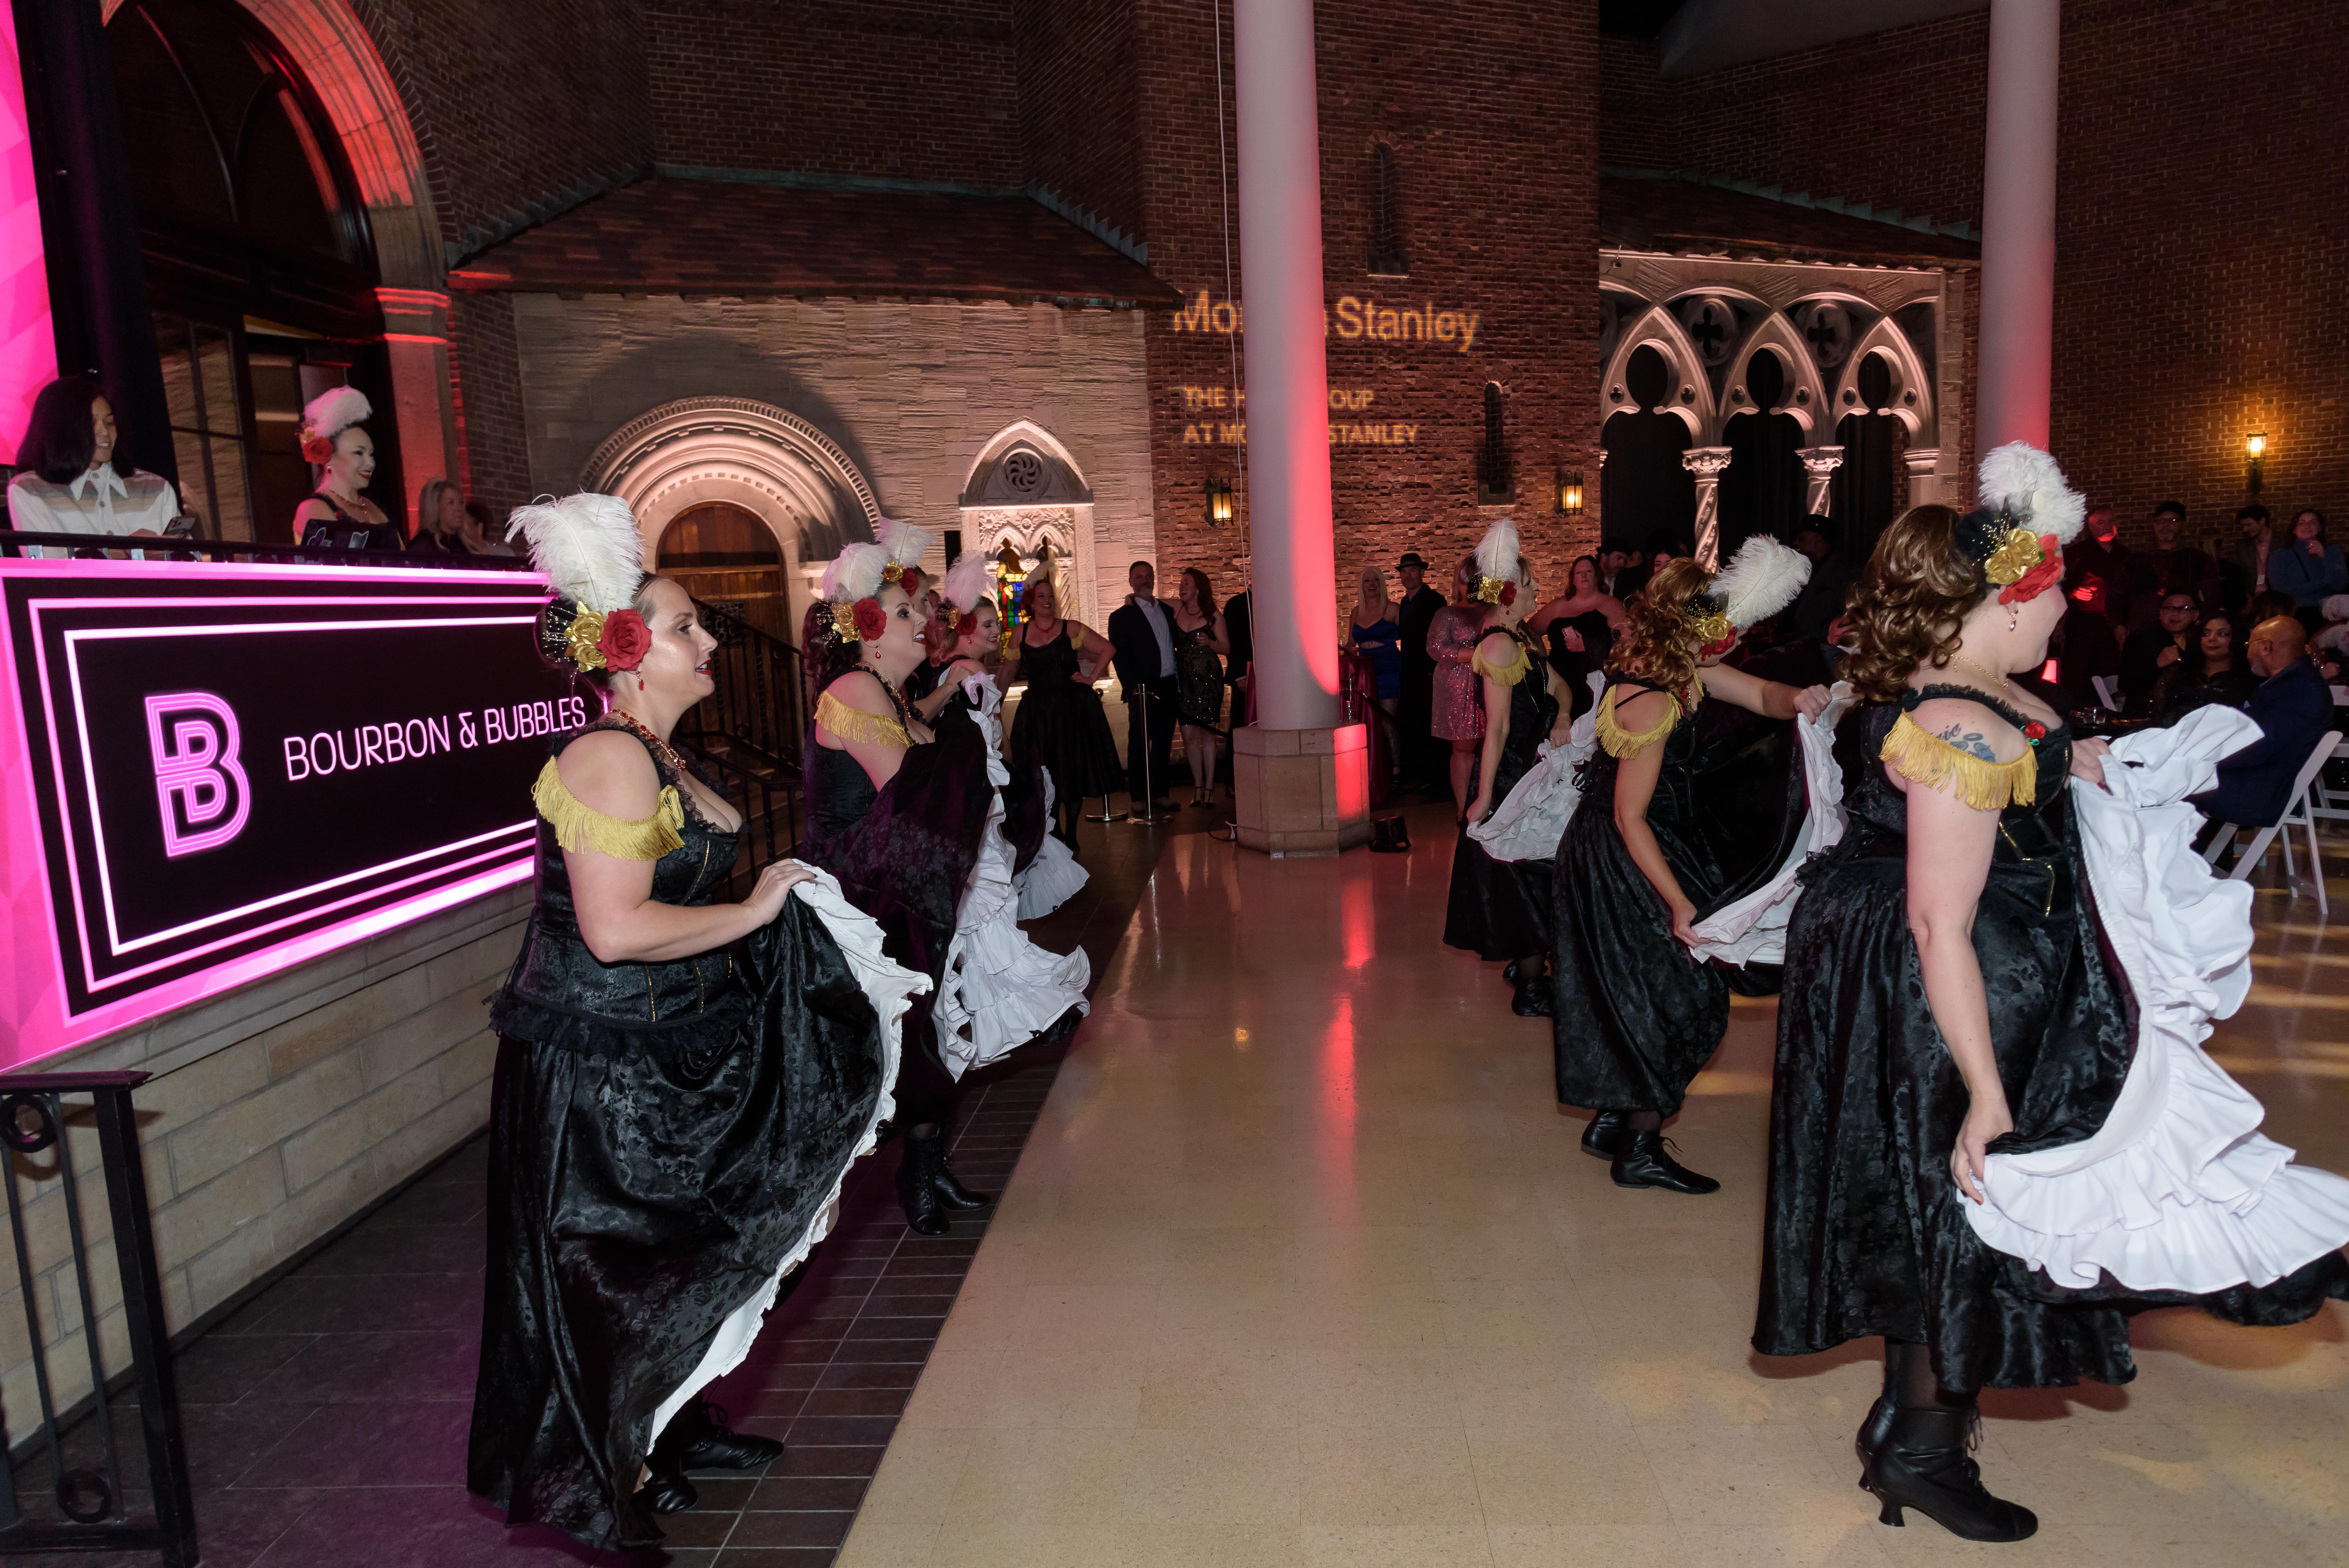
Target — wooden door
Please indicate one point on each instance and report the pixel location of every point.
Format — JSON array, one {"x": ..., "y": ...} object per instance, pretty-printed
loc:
[{"x": 725, "y": 554}]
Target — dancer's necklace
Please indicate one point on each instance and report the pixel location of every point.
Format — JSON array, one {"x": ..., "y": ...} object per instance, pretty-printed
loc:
[{"x": 660, "y": 746}]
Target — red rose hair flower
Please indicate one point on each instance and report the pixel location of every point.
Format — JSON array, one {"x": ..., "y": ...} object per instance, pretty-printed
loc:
[
  {"x": 870, "y": 620},
  {"x": 626, "y": 639},
  {"x": 967, "y": 623},
  {"x": 1508, "y": 595},
  {"x": 317, "y": 449},
  {"x": 2033, "y": 582}
]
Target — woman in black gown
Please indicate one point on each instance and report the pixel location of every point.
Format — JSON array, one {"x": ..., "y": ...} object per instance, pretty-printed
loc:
[
  {"x": 680, "y": 1084},
  {"x": 1652, "y": 850},
  {"x": 1060, "y": 724},
  {"x": 895, "y": 811},
  {"x": 1947, "y": 998},
  {"x": 1499, "y": 910}
]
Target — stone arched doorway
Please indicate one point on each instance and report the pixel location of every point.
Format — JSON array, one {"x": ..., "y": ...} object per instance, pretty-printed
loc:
[
  {"x": 318, "y": 70},
  {"x": 762, "y": 462}
]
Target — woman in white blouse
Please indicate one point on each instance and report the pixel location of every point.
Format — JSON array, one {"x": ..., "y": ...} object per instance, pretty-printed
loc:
[{"x": 68, "y": 483}]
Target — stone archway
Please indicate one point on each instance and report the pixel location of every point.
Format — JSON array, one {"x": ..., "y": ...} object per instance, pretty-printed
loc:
[
  {"x": 343, "y": 67},
  {"x": 739, "y": 452}
]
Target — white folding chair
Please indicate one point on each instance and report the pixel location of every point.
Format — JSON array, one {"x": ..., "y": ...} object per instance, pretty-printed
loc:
[
  {"x": 2324, "y": 803},
  {"x": 2297, "y": 814}
]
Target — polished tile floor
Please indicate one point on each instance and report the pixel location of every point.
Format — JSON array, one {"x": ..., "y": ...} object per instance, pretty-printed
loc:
[{"x": 1301, "y": 1266}]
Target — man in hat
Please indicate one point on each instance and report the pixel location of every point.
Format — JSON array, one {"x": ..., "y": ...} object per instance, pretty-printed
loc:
[{"x": 1414, "y": 713}]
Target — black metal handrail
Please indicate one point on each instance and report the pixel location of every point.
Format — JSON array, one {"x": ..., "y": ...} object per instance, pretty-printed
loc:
[
  {"x": 92, "y": 1498},
  {"x": 751, "y": 730}
]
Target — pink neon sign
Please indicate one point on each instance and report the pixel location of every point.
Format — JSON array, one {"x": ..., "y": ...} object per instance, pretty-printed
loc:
[
  {"x": 156, "y": 845},
  {"x": 28, "y": 343},
  {"x": 198, "y": 775}
]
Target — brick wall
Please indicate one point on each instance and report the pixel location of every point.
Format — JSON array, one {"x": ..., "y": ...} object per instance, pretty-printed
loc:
[
  {"x": 275, "y": 1113},
  {"x": 1080, "y": 77},
  {"x": 906, "y": 89},
  {"x": 1489, "y": 109},
  {"x": 485, "y": 364},
  {"x": 513, "y": 103},
  {"x": 2198, "y": 231}
]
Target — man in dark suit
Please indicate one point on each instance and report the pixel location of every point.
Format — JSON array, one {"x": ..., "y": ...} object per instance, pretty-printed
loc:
[
  {"x": 2293, "y": 708},
  {"x": 1142, "y": 633},
  {"x": 1239, "y": 630},
  {"x": 1415, "y": 714}
]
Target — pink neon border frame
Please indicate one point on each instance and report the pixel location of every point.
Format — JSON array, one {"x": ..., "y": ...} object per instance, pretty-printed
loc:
[{"x": 41, "y": 1026}]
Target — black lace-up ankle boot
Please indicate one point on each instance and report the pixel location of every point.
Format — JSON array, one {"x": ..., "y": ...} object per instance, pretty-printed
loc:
[
  {"x": 1924, "y": 1464},
  {"x": 1642, "y": 1160}
]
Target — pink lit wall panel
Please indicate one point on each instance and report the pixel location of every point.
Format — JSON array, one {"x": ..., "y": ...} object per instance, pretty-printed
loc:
[
  {"x": 28, "y": 347},
  {"x": 211, "y": 772}
]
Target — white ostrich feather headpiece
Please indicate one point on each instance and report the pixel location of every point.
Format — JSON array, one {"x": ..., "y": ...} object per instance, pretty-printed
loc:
[
  {"x": 1500, "y": 554},
  {"x": 1761, "y": 579},
  {"x": 335, "y": 410},
  {"x": 905, "y": 542},
  {"x": 854, "y": 573},
  {"x": 588, "y": 545},
  {"x": 967, "y": 580},
  {"x": 2024, "y": 482}
]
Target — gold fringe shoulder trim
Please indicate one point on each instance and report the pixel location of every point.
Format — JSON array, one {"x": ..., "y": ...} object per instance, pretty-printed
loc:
[
  {"x": 1619, "y": 742},
  {"x": 1928, "y": 759},
  {"x": 854, "y": 723},
  {"x": 579, "y": 826},
  {"x": 1507, "y": 675}
]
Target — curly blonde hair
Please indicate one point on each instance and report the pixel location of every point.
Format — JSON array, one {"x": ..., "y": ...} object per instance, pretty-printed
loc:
[
  {"x": 1917, "y": 588},
  {"x": 1656, "y": 644}
]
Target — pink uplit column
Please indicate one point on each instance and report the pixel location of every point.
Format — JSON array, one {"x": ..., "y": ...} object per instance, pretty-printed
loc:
[
  {"x": 28, "y": 343},
  {"x": 1301, "y": 782},
  {"x": 1296, "y": 621},
  {"x": 416, "y": 336},
  {"x": 2018, "y": 274}
]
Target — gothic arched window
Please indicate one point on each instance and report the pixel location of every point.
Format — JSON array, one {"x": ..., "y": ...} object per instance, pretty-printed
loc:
[
  {"x": 1496, "y": 483},
  {"x": 1387, "y": 258}
]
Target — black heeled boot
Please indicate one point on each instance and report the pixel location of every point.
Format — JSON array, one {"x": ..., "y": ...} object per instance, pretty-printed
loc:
[
  {"x": 1509, "y": 973},
  {"x": 1605, "y": 1132},
  {"x": 950, "y": 1193},
  {"x": 1923, "y": 1464},
  {"x": 925, "y": 1215},
  {"x": 697, "y": 1437},
  {"x": 1642, "y": 1160}
]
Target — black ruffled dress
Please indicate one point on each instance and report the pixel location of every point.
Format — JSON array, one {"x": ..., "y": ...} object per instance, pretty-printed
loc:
[
  {"x": 1865, "y": 1233},
  {"x": 903, "y": 854},
  {"x": 1060, "y": 725},
  {"x": 662, "y": 1138},
  {"x": 1499, "y": 910},
  {"x": 1636, "y": 1017}
]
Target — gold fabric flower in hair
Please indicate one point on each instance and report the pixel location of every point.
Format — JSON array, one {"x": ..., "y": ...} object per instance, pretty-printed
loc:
[
  {"x": 582, "y": 644},
  {"x": 844, "y": 624},
  {"x": 1488, "y": 589},
  {"x": 1708, "y": 626},
  {"x": 2016, "y": 554}
]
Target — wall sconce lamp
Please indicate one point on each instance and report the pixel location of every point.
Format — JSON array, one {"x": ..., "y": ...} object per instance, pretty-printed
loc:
[
  {"x": 1219, "y": 502},
  {"x": 1569, "y": 492},
  {"x": 2255, "y": 458}
]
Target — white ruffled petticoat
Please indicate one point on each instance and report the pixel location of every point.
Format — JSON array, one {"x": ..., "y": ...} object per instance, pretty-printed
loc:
[
  {"x": 2177, "y": 1190},
  {"x": 1754, "y": 929},
  {"x": 1002, "y": 990},
  {"x": 891, "y": 988},
  {"x": 1053, "y": 877},
  {"x": 1530, "y": 821}
]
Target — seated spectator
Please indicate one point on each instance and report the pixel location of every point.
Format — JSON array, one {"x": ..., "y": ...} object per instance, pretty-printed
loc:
[
  {"x": 440, "y": 522},
  {"x": 335, "y": 439},
  {"x": 2180, "y": 567},
  {"x": 2293, "y": 708},
  {"x": 2090, "y": 649},
  {"x": 2213, "y": 671},
  {"x": 2156, "y": 648},
  {"x": 2244, "y": 570},
  {"x": 68, "y": 483},
  {"x": 482, "y": 535},
  {"x": 2309, "y": 569}
]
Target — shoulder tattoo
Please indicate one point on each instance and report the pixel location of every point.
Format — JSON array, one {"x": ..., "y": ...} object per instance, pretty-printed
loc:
[{"x": 1970, "y": 742}]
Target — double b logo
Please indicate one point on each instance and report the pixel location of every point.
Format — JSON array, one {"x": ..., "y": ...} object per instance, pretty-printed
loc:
[{"x": 199, "y": 783}]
